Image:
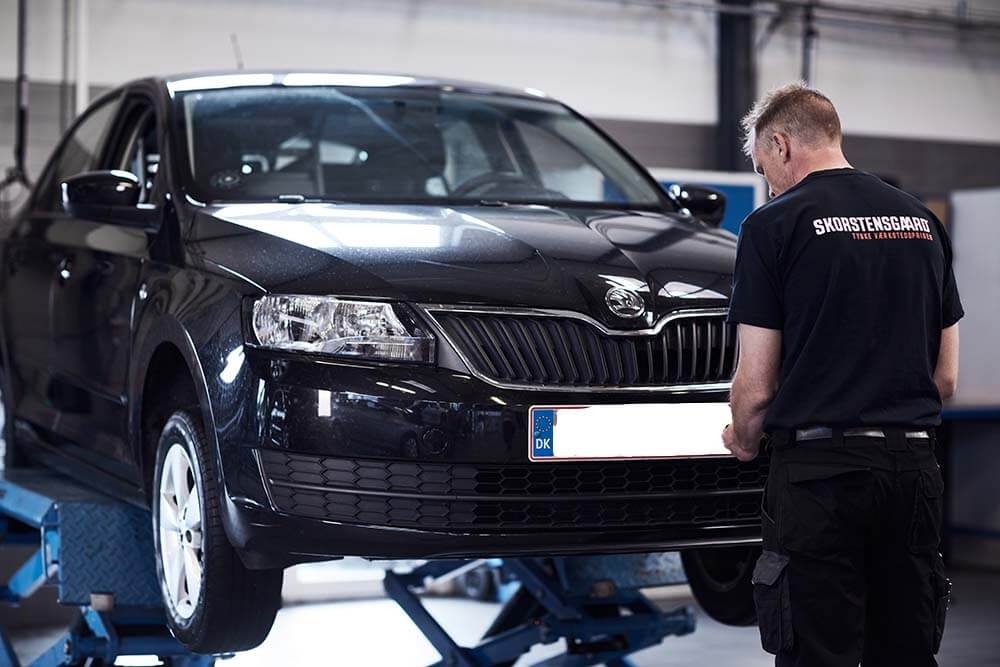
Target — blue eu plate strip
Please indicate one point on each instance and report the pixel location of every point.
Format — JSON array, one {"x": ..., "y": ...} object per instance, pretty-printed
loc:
[{"x": 542, "y": 422}]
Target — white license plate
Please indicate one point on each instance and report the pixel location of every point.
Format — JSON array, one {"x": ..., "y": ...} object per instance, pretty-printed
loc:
[{"x": 634, "y": 431}]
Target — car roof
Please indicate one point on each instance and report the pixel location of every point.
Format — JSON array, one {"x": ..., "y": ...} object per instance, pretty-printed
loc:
[{"x": 218, "y": 79}]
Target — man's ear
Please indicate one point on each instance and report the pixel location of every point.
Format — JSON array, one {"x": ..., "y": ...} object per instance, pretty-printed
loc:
[{"x": 782, "y": 146}]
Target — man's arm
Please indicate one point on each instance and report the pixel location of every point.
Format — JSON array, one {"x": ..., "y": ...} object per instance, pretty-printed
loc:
[
  {"x": 946, "y": 372},
  {"x": 754, "y": 385}
]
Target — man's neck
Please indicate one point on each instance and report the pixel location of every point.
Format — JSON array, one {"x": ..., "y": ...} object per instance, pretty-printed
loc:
[{"x": 821, "y": 161}]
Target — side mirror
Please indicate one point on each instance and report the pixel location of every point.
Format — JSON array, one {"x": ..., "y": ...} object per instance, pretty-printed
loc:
[
  {"x": 703, "y": 203},
  {"x": 95, "y": 194},
  {"x": 100, "y": 189}
]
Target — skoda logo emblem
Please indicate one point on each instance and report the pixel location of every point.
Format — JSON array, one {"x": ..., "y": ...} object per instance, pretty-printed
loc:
[{"x": 624, "y": 302}]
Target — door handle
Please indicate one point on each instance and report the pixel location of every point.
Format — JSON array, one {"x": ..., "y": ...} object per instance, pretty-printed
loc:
[{"x": 65, "y": 270}]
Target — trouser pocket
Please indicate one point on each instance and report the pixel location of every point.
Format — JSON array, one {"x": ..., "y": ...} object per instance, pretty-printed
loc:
[
  {"x": 941, "y": 585},
  {"x": 925, "y": 528},
  {"x": 771, "y": 596}
]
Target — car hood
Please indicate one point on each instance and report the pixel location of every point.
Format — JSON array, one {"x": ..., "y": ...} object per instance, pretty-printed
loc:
[{"x": 517, "y": 256}]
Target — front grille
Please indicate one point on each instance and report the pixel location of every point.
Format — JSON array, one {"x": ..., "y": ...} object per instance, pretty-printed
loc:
[
  {"x": 549, "y": 351},
  {"x": 486, "y": 497}
]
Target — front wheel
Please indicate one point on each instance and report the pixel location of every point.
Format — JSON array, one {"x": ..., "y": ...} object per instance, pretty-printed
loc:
[{"x": 214, "y": 603}]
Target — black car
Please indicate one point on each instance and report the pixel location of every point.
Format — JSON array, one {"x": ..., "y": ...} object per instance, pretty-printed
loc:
[{"x": 310, "y": 315}]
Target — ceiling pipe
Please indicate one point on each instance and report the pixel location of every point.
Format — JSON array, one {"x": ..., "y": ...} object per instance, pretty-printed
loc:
[
  {"x": 18, "y": 173},
  {"x": 959, "y": 19},
  {"x": 82, "y": 42},
  {"x": 809, "y": 35},
  {"x": 64, "y": 87},
  {"x": 847, "y": 15}
]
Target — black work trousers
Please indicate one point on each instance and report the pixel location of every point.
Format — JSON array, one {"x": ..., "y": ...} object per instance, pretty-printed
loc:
[{"x": 851, "y": 571}]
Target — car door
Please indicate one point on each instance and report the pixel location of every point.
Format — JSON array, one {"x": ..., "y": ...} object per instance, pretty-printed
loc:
[
  {"x": 31, "y": 264},
  {"x": 92, "y": 301}
]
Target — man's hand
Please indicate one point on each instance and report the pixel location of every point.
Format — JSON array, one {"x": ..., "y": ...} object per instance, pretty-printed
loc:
[{"x": 739, "y": 450}]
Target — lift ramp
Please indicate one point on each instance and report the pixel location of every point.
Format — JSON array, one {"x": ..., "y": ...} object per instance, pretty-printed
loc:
[
  {"x": 594, "y": 603},
  {"x": 98, "y": 553}
]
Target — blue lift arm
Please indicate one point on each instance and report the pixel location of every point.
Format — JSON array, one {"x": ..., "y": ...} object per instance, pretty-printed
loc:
[
  {"x": 594, "y": 603},
  {"x": 90, "y": 547}
]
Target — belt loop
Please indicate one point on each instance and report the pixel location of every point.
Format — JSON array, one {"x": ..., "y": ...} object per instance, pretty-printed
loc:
[
  {"x": 837, "y": 435},
  {"x": 896, "y": 439}
]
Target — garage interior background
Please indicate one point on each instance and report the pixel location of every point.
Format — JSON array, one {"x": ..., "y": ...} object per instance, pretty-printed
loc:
[
  {"x": 918, "y": 100},
  {"x": 917, "y": 83}
]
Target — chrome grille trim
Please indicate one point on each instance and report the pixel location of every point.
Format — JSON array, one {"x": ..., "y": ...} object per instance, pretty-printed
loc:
[{"x": 644, "y": 336}]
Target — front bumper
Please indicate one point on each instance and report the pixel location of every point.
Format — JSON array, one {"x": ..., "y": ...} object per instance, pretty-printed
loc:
[
  {"x": 267, "y": 539},
  {"x": 417, "y": 462}
]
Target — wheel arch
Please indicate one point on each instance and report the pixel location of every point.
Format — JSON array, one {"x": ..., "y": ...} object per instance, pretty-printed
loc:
[{"x": 168, "y": 377}]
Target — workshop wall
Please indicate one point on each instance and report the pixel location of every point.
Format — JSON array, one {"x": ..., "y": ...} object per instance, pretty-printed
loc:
[
  {"x": 648, "y": 71},
  {"x": 896, "y": 84}
]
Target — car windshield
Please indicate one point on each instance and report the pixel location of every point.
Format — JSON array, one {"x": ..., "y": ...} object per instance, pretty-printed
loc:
[{"x": 400, "y": 144}]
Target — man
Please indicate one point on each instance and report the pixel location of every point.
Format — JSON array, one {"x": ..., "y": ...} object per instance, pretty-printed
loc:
[{"x": 847, "y": 310}]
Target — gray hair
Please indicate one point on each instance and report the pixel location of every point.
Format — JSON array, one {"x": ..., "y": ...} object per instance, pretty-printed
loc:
[{"x": 797, "y": 110}]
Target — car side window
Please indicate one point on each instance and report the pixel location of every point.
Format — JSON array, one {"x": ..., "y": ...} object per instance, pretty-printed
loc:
[
  {"x": 79, "y": 153},
  {"x": 138, "y": 150}
]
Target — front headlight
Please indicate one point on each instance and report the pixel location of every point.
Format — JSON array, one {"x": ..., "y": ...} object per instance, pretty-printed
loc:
[{"x": 327, "y": 325}]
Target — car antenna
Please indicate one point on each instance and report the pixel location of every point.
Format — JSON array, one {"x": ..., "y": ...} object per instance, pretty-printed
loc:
[
  {"x": 237, "y": 53},
  {"x": 17, "y": 173}
]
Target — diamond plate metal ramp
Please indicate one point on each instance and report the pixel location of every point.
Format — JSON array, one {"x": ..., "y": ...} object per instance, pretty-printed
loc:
[{"x": 98, "y": 552}]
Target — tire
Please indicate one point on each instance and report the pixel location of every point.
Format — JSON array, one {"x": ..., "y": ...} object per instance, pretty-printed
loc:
[
  {"x": 213, "y": 603},
  {"x": 478, "y": 584},
  {"x": 720, "y": 579}
]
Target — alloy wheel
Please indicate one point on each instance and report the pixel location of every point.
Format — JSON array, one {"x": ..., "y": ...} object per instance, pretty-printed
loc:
[{"x": 181, "y": 546}]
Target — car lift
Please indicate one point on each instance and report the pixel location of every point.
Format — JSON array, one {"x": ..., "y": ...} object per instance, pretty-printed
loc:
[
  {"x": 98, "y": 553},
  {"x": 593, "y": 602}
]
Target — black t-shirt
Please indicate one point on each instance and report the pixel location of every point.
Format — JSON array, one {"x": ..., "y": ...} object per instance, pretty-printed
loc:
[{"x": 857, "y": 276}]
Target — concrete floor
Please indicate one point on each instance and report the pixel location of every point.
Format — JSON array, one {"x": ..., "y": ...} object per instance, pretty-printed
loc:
[{"x": 376, "y": 633}]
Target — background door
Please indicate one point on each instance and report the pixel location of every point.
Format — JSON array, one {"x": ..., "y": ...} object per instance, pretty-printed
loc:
[
  {"x": 32, "y": 264},
  {"x": 92, "y": 304}
]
